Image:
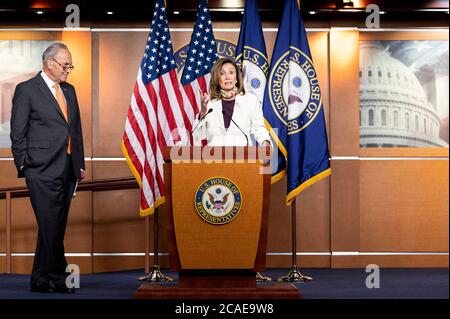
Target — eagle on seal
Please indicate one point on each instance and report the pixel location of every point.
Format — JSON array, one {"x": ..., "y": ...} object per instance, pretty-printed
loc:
[{"x": 219, "y": 202}]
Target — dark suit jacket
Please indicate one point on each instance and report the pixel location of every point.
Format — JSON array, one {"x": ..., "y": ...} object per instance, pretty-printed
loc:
[{"x": 39, "y": 132}]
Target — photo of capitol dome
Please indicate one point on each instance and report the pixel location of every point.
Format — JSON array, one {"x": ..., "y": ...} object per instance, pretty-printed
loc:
[
  {"x": 404, "y": 99},
  {"x": 21, "y": 60}
]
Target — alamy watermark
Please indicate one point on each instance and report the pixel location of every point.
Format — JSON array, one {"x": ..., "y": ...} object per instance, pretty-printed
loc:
[
  {"x": 373, "y": 279},
  {"x": 73, "y": 19},
  {"x": 373, "y": 19},
  {"x": 183, "y": 152},
  {"x": 73, "y": 279}
]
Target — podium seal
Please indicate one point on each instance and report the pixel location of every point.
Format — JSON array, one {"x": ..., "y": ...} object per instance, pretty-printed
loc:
[{"x": 218, "y": 200}]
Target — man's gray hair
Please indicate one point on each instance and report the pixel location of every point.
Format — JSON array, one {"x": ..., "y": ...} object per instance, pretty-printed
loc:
[{"x": 52, "y": 50}]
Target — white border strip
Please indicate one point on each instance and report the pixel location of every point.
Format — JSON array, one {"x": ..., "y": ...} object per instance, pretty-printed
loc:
[
  {"x": 225, "y": 29},
  {"x": 67, "y": 255},
  {"x": 90, "y": 254},
  {"x": 118, "y": 254},
  {"x": 126, "y": 254},
  {"x": 78, "y": 254},
  {"x": 300, "y": 254},
  {"x": 47, "y": 29},
  {"x": 32, "y": 29},
  {"x": 334, "y": 253},
  {"x": 357, "y": 253},
  {"x": 77, "y": 29},
  {"x": 404, "y": 30},
  {"x": 82, "y": 254},
  {"x": 344, "y": 158},
  {"x": 345, "y": 253},
  {"x": 107, "y": 159},
  {"x": 403, "y": 158}
]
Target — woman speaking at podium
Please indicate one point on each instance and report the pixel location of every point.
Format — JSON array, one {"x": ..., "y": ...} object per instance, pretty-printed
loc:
[{"x": 229, "y": 116}]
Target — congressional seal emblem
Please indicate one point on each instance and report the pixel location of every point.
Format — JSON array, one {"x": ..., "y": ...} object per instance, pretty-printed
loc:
[
  {"x": 255, "y": 67},
  {"x": 294, "y": 90},
  {"x": 218, "y": 201}
]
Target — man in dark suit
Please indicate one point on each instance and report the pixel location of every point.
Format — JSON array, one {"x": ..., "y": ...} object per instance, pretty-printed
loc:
[{"x": 47, "y": 145}]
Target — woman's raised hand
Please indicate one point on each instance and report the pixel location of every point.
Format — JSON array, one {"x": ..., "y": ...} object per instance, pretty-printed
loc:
[{"x": 205, "y": 100}]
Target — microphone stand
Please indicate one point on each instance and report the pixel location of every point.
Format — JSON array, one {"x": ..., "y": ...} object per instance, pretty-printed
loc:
[
  {"x": 201, "y": 119},
  {"x": 246, "y": 138}
]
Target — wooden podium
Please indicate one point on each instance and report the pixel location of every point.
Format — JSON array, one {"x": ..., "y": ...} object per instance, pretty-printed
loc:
[{"x": 217, "y": 222}]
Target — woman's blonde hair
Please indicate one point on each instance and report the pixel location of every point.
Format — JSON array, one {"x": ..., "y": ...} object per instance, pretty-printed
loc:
[{"x": 214, "y": 86}]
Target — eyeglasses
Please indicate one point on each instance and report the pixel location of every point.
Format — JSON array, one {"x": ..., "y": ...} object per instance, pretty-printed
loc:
[{"x": 66, "y": 67}]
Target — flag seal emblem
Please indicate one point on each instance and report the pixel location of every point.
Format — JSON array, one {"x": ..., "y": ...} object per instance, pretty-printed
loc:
[
  {"x": 294, "y": 90},
  {"x": 254, "y": 69},
  {"x": 218, "y": 200}
]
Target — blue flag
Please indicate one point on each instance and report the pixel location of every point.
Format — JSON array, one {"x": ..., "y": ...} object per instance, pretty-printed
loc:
[
  {"x": 293, "y": 107},
  {"x": 251, "y": 51}
]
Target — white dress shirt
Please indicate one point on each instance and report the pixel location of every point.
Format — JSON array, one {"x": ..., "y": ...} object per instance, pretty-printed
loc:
[{"x": 49, "y": 83}]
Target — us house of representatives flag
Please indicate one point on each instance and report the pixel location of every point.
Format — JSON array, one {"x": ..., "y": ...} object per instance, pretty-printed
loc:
[
  {"x": 251, "y": 51},
  {"x": 293, "y": 106}
]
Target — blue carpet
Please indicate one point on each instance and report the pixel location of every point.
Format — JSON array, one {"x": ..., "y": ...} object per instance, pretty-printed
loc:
[{"x": 327, "y": 284}]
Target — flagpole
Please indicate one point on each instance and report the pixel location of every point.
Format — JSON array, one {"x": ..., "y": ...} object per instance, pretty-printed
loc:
[
  {"x": 155, "y": 275},
  {"x": 294, "y": 274}
]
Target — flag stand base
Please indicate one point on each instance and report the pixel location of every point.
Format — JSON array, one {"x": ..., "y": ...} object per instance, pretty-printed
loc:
[
  {"x": 155, "y": 276},
  {"x": 260, "y": 278},
  {"x": 294, "y": 275}
]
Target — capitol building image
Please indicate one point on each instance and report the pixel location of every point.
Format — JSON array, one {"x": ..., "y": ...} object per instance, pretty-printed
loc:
[{"x": 394, "y": 109}]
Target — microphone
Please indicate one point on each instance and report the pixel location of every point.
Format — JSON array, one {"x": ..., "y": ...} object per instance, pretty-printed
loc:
[
  {"x": 246, "y": 138},
  {"x": 201, "y": 119}
]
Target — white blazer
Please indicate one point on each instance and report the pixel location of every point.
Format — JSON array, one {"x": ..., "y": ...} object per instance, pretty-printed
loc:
[{"x": 248, "y": 116}]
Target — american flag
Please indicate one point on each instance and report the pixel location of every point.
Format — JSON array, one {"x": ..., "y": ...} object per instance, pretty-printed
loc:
[
  {"x": 155, "y": 114},
  {"x": 201, "y": 56}
]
